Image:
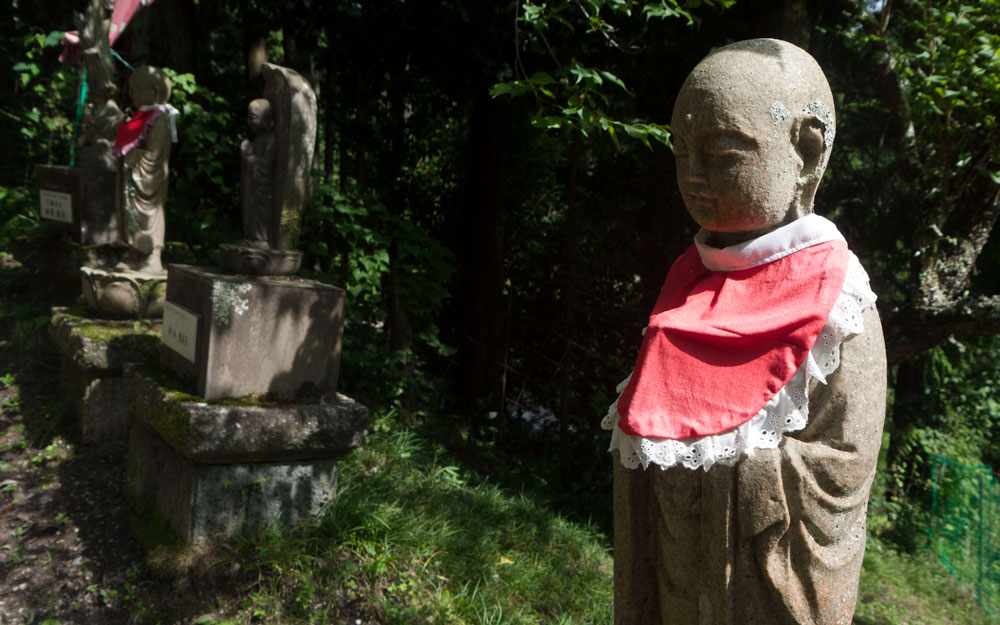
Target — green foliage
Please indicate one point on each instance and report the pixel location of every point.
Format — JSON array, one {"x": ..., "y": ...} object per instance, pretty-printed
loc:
[
  {"x": 203, "y": 203},
  {"x": 18, "y": 214},
  {"x": 46, "y": 103},
  {"x": 353, "y": 240},
  {"x": 948, "y": 56},
  {"x": 965, "y": 527},
  {"x": 945, "y": 405},
  {"x": 575, "y": 94},
  {"x": 911, "y": 588}
]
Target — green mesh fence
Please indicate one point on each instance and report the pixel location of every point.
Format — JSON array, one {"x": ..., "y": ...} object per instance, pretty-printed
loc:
[{"x": 965, "y": 527}]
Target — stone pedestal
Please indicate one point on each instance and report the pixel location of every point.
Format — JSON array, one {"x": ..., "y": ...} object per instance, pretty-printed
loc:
[
  {"x": 210, "y": 468},
  {"x": 244, "y": 259},
  {"x": 82, "y": 200},
  {"x": 240, "y": 335},
  {"x": 124, "y": 293},
  {"x": 53, "y": 263},
  {"x": 94, "y": 353}
]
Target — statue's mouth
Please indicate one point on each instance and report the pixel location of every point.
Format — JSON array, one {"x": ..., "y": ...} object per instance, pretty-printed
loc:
[{"x": 702, "y": 199}]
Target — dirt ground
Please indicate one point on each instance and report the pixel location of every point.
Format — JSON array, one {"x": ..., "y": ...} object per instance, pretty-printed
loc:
[{"x": 68, "y": 550}]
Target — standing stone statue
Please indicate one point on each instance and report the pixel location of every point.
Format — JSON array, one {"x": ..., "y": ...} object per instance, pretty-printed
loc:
[
  {"x": 143, "y": 143},
  {"x": 275, "y": 178},
  {"x": 745, "y": 440},
  {"x": 102, "y": 114},
  {"x": 258, "y": 174}
]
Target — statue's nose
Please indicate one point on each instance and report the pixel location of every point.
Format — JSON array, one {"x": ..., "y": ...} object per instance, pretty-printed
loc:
[{"x": 696, "y": 168}]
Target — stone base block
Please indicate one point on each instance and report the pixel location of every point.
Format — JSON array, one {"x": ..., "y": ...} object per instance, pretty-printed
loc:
[
  {"x": 94, "y": 353},
  {"x": 81, "y": 200},
  {"x": 238, "y": 335},
  {"x": 199, "y": 501},
  {"x": 211, "y": 468}
]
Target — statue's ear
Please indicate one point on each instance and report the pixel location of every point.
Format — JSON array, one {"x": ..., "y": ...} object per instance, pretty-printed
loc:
[{"x": 809, "y": 142}]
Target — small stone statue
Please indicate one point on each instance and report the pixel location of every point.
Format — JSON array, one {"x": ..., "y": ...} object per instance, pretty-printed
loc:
[
  {"x": 143, "y": 143},
  {"x": 276, "y": 166},
  {"x": 746, "y": 438},
  {"x": 258, "y": 174}
]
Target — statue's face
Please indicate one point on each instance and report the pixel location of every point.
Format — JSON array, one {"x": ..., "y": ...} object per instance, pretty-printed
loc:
[
  {"x": 143, "y": 92},
  {"x": 737, "y": 168},
  {"x": 147, "y": 85},
  {"x": 259, "y": 116}
]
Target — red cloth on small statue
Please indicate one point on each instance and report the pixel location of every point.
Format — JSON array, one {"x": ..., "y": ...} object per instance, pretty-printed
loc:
[
  {"x": 132, "y": 132},
  {"x": 721, "y": 344}
]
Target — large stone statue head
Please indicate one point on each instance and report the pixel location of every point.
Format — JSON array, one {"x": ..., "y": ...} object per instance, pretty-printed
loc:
[
  {"x": 753, "y": 128},
  {"x": 149, "y": 85}
]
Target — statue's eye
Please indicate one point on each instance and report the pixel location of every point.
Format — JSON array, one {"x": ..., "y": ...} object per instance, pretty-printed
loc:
[
  {"x": 729, "y": 143},
  {"x": 680, "y": 147}
]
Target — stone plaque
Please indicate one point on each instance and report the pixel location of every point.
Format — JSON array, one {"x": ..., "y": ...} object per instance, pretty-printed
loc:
[
  {"x": 55, "y": 205},
  {"x": 82, "y": 200},
  {"x": 180, "y": 330}
]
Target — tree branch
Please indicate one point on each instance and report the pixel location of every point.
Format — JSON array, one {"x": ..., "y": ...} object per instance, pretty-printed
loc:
[{"x": 916, "y": 330}]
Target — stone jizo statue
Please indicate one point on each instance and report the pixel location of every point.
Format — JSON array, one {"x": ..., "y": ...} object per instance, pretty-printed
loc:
[
  {"x": 745, "y": 440},
  {"x": 143, "y": 143},
  {"x": 258, "y": 174},
  {"x": 276, "y": 180}
]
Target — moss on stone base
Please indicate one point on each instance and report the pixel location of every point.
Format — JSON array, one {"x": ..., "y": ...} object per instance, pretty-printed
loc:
[{"x": 101, "y": 343}]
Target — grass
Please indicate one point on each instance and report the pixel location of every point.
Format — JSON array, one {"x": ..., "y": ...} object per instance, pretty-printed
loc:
[
  {"x": 912, "y": 589},
  {"x": 411, "y": 540}
]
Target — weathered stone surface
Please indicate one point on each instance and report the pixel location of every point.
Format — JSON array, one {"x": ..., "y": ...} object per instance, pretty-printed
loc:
[
  {"x": 229, "y": 432},
  {"x": 124, "y": 293},
  {"x": 253, "y": 261},
  {"x": 103, "y": 345},
  {"x": 216, "y": 467},
  {"x": 101, "y": 115},
  {"x": 200, "y": 501},
  {"x": 257, "y": 335},
  {"x": 91, "y": 193},
  {"x": 94, "y": 353}
]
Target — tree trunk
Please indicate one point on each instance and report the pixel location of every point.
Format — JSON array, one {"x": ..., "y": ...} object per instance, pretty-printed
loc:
[
  {"x": 481, "y": 312},
  {"x": 161, "y": 34},
  {"x": 569, "y": 297}
]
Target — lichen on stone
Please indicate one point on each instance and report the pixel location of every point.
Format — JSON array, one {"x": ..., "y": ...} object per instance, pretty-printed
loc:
[
  {"x": 779, "y": 112},
  {"x": 226, "y": 295},
  {"x": 823, "y": 113}
]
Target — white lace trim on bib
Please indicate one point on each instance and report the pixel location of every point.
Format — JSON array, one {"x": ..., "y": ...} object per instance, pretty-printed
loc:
[{"x": 788, "y": 410}]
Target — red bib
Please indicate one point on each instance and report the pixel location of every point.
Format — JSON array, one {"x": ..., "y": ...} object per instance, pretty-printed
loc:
[
  {"x": 132, "y": 132},
  {"x": 721, "y": 344}
]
